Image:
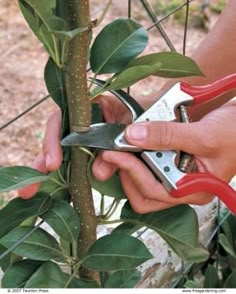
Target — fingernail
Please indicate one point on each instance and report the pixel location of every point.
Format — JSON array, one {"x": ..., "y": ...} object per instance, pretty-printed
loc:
[
  {"x": 48, "y": 160},
  {"x": 137, "y": 132}
]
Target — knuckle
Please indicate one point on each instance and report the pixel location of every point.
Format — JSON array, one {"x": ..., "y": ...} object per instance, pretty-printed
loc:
[
  {"x": 138, "y": 208},
  {"x": 166, "y": 134},
  {"x": 208, "y": 143}
]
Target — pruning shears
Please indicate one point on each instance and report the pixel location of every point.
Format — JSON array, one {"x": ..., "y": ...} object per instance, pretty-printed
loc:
[{"x": 177, "y": 179}]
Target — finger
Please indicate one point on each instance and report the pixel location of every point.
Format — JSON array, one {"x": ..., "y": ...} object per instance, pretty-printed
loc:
[
  {"x": 113, "y": 110},
  {"x": 30, "y": 190},
  {"x": 141, "y": 176},
  {"x": 169, "y": 136},
  {"x": 139, "y": 203},
  {"x": 107, "y": 110},
  {"x": 51, "y": 146},
  {"x": 103, "y": 170},
  {"x": 147, "y": 185}
]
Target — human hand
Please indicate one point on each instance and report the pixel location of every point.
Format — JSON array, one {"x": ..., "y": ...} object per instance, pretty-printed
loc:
[
  {"x": 211, "y": 140},
  {"x": 51, "y": 156}
]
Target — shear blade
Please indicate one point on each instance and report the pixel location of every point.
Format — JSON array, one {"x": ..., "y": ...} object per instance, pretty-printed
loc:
[{"x": 99, "y": 136}]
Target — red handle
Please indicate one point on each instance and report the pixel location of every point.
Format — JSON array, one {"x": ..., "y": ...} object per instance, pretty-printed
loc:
[
  {"x": 203, "y": 182},
  {"x": 208, "y": 92}
]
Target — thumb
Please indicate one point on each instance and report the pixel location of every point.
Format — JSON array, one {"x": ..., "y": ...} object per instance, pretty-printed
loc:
[{"x": 166, "y": 136}]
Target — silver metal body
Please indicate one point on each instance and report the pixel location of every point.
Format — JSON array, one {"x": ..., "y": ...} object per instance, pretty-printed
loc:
[
  {"x": 162, "y": 110},
  {"x": 162, "y": 163}
]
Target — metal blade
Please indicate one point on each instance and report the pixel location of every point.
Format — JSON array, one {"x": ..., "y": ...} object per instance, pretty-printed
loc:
[{"x": 99, "y": 136}]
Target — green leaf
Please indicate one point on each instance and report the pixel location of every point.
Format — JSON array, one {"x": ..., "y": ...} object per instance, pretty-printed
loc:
[
  {"x": 127, "y": 228},
  {"x": 18, "y": 210},
  {"x": 211, "y": 277},
  {"x": 64, "y": 220},
  {"x": 121, "y": 279},
  {"x": 53, "y": 189},
  {"x": 178, "y": 226},
  {"x": 116, "y": 45},
  {"x": 97, "y": 115},
  {"x": 62, "y": 10},
  {"x": 229, "y": 227},
  {"x": 169, "y": 64},
  {"x": 39, "y": 245},
  {"x": 55, "y": 82},
  {"x": 15, "y": 177},
  {"x": 116, "y": 252},
  {"x": 54, "y": 79},
  {"x": 111, "y": 187},
  {"x": 7, "y": 260},
  {"x": 231, "y": 280},
  {"x": 56, "y": 186},
  {"x": 130, "y": 76},
  {"x": 225, "y": 243},
  {"x": 50, "y": 275},
  {"x": 192, "y": 284},
  {"x": 38, "y": 15},
  {"x": 18, "y": 274}
]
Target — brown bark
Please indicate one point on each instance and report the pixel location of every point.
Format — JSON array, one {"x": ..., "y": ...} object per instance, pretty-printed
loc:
[{"x": 80, "y": 118}]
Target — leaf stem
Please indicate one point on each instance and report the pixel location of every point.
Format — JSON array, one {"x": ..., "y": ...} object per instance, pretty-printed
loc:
[
  {"x": 102, "y": 205},
  {"x": 57, "y": 57},
  {"x": 74, "y": 274},
  {"x": 59, "y": 183},
  {"x": 61, "y": 177},
  {"x": 106, "y": 222},
  {"x": 113, "y": 210}
]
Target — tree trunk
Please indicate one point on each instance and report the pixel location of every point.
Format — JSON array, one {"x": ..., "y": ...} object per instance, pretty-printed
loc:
[{"x": 80, "y": 119}]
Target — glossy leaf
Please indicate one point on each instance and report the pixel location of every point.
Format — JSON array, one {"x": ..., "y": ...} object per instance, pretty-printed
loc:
[
  {"x": 192, "y": 284},
  {"x": 127, "y": 228},
  {"x": 116, "y": 252},
  {"x": 54, "y": 190},
  {"x": 55, "y": 82},
  {"x": 50, "y": 275},
  {"x": 55, "y": 186},
  {"x": 7, "y": 260},
  {"x": 131, "y": 75},
  {"x": 54, "y": 79},
  {"x": 62, "y": 10},
  {"x": 229, "y": 227},
  {"x": 64, "y": 220},
  {"x": 15, "y": 177},
  {"x": 171, "y": 64},
  {"x": 38, "y": 14},
  {"x": 178, "y": 226},
  {"x": 38, "y": 246},
  {"x": 19, "y": 210},
  {"x": 19, "y": 273},
  {"x": 231, "y": 280},
  {"x": 225, "y": 243},
  {"x": 111, "y": 187},
  {"x": 121, "y": 279},
  {"x": 116, "y": 45},
  {"x": 211, "y": 277}
]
